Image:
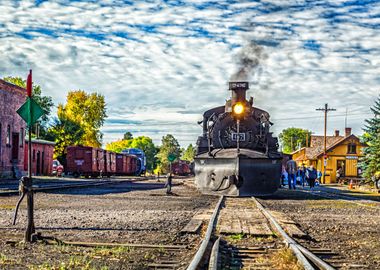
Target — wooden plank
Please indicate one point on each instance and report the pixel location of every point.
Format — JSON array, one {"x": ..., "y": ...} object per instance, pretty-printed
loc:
[{"x": 193, "y": 226}]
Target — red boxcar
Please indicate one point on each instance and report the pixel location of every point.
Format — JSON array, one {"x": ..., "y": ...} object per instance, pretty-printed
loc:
[
  {"x": 109, "y": 163},
  {"x": 132, "y": 164},
  {"x": 121, "y": 164},
  {"x": 125, "y": 164},
  {"x": 85, "y": 160},
  {"x": 181, "y": 167}
]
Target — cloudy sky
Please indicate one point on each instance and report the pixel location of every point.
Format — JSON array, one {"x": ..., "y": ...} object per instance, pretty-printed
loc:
[{"x": 161, "y": 64}]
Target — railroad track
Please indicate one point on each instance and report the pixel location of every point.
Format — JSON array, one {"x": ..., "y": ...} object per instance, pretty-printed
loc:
[
  {"x": 335, "y": 195},
  {"x": 43, "y": 188},
  {"x": 261, "y": 238}
]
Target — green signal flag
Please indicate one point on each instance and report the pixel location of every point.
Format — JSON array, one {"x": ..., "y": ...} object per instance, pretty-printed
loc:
[
  {"x": 171, "y": 157},
  {"x": 30, "y": 111}
]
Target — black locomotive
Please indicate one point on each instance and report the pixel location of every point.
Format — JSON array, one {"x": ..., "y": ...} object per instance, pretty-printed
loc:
[{"x": 237, "y": 155}]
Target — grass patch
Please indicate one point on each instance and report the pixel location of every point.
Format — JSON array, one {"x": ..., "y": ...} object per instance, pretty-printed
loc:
[
  {"x": 284, "y": 259},
  {"x": 238, "y": 236},
  {"x": 7, "y": 206},
  {"x": 331, "y": 204},
  {"x": 5, "y": 260}
]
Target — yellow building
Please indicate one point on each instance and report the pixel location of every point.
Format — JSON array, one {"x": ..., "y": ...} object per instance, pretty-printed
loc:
[{"x": 342, "y": 152}]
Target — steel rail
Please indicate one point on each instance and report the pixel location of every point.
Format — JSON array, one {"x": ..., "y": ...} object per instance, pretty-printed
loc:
[
  {"x": 214, "y": 257},
  {"x": 298, "y": 250},
  {"x": 68, "y": 186},
  {"x": 201, "y": 251}
]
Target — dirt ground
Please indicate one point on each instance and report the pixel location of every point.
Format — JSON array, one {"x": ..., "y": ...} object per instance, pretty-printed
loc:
[
  {"x": 349, "y": 229},
  {"x": 138, "y": 212}
]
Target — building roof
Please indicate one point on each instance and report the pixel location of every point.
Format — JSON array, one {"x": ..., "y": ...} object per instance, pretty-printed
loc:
[
  {"x": 12, "y": 86},
  {"x": 40, "y": 141},
  {"x": 317, "y": 144}
]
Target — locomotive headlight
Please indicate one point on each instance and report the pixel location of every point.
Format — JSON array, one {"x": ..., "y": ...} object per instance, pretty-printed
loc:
[{"x": 238, "y": 108}]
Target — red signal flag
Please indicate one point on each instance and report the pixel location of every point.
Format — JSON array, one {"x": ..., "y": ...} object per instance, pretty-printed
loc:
[{"x": 29, "y": 84}]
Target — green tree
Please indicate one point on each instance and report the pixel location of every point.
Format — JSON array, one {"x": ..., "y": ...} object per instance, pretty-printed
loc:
[
  {"x": 371, "y": 161},
  {"x": 293, "y": 138},
  {"x": 169, "y": 145},
  {"x": 142, "y": 142},
  {"x": 65, "y": 133},
  {"x": 46, "y": 103},
  {"x": 189, "y": 153},
  {"x": 127, "y": 136},
  {"x": 89, "y": 112}
]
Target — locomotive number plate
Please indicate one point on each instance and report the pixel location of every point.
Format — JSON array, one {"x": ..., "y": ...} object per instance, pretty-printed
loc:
[{"x": 234, "y": 137}]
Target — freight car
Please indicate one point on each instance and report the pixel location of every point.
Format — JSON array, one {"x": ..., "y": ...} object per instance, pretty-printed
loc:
[
  {"x": 181, "y": 167},
  {"x": 141, "y": 159},
  {"x": 93, "y": 162},
  {"x": 236, "y": 154}
]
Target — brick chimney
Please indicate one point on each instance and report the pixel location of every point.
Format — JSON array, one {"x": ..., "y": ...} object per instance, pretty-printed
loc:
[
  {"x": 336, "y": 133},
  {"x": 348, "y": 131}
]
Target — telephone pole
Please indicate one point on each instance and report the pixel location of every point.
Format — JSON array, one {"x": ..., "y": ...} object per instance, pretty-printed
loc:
[{"x": 326, "y": 109}]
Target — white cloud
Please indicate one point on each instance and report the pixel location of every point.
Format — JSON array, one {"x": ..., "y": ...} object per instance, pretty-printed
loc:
[{"x": 154, "y": 61}]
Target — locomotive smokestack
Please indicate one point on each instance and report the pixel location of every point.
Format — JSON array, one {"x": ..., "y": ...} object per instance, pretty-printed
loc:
[{"x": 238, "y": 91}]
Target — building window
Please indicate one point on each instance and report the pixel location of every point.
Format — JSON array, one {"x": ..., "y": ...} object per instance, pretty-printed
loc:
[
  {"x": 22, "y": 137},
  {"x": 351, "y": 149},
  {"x": 8, "y": 139}
]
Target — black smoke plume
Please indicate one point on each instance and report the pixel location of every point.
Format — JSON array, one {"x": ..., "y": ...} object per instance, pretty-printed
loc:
[{"x": 248, "y": 59}]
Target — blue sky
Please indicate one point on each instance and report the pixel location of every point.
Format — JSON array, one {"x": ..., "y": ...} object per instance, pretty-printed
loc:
[{"x": 160, "y": 64}]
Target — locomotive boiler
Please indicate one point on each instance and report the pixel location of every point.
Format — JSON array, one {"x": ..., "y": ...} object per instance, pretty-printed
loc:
[{"x": 237, "y": 154}]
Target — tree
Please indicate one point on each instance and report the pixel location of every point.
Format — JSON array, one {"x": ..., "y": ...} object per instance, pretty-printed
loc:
[
  {"x": 89, "y": 112},
  {"x": 293, "y": 138},
  {"x": 64, "y": 132},
  {"x": 46, "y": 103},
  {"x": 127, "y": 136},
  {"x": 189, "y": 153},
  {"x": 169, "y": 145},
  {"x": 142, "y": 142},
  {"x": 371, "y": 161}
]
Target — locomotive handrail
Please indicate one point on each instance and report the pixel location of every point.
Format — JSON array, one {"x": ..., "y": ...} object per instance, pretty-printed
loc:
[{"x": 200, "y": 253}]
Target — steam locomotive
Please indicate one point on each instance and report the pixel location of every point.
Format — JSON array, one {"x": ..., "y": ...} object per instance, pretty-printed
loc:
[{"x": 236, "y": 154}]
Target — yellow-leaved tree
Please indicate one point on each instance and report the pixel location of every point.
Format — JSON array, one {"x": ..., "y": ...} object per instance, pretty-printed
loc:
[{"x": 88, "y": 110}]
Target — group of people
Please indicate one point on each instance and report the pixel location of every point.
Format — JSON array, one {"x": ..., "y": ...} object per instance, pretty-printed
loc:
[{"x": 291, "y": 172}]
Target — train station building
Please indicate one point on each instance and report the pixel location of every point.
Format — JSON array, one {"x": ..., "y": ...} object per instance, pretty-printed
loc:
[
  {"x": 342, "y": 152},
  {"x": 12, "y": 130}
]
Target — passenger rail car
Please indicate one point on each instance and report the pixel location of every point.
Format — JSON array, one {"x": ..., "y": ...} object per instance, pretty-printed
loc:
[{"x": 236, "y": 154}]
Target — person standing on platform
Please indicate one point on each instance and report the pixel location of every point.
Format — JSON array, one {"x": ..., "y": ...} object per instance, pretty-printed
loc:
[
  {"x": 168, "y": 184},
  {"x": 291, "y": 168},
  {"x": 301, "y": 175},
  {"x": 311, "y": 175}
]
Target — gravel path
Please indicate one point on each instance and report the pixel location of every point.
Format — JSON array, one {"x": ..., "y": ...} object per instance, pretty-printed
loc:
[{"x": 119, "y": 213}]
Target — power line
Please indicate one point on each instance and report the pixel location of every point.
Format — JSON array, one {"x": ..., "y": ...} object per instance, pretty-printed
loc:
[{"x": 311, "y": 117}]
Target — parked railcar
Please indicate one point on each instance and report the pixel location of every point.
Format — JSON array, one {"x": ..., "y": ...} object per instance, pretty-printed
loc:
[
  {"x": 181, "y": 167},
  {"x": 85, "y": 161},
  {"x": 141, "y": 159},
  {"x": 109, "y": 163}
]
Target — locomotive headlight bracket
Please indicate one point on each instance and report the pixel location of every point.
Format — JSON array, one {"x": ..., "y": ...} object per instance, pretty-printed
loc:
[{"x": 238, "y": 108}]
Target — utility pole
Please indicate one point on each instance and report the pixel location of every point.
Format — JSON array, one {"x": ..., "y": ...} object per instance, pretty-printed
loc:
[{"x": 326, "y": 109}]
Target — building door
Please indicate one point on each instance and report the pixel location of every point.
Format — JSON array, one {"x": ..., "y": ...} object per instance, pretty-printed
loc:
[
  {"x": 43, "y": 171},
  {"x": 340, "y": 164},
  {"x": 15, "y": 146},
  {"x": 38, "y": 163}
]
